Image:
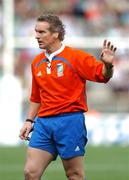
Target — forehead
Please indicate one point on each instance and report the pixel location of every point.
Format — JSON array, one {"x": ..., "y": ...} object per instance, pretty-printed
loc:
[{"x": 42, "y": 25}]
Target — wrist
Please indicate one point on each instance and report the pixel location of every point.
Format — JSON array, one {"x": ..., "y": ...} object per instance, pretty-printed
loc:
[
  {"x": 29, "y": 120},
  {"x": 108, "y": 70},
  {"x": 108, "y": 65}
]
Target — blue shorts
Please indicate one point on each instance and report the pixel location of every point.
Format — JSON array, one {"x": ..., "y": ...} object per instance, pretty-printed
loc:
[{"x": 64, "y": 135}]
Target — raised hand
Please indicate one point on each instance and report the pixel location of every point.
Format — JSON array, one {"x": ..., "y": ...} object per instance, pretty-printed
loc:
[{"x": 108, "y": 52}]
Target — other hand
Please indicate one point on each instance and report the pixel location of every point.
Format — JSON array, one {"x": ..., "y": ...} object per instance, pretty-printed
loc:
[
  {"x": 26, "y": 129},
  {"x": 108, "y": 52}
]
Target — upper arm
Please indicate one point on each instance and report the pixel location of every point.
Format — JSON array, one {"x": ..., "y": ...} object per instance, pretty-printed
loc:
[{"x": 88, "y": 67}]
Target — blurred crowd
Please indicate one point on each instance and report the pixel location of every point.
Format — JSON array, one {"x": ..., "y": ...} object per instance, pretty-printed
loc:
[
  {"x": 91, "y": 17},
  {"x": 82, "y": 18}
]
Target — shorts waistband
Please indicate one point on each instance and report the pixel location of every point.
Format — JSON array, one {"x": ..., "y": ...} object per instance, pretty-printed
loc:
[{"x": 63, "y": 114}]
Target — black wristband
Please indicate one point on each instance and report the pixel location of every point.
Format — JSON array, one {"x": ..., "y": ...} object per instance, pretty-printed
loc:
[
  {"x": 108, "y": 65},
  {"x": 29, "y": 120}
]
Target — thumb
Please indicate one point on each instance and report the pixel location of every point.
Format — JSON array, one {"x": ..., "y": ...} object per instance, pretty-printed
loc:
[{"x": 101, "y": 55}]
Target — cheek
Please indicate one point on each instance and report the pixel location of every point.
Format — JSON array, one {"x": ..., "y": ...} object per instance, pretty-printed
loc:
[
  {"x": 49, "y": 40},
  {"x": 46, "y": 38}
]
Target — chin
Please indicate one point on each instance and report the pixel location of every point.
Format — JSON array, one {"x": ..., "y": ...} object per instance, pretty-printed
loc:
[{"x": 42, "y": 47}]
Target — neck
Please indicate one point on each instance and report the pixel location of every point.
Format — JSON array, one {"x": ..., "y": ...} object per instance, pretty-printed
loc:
[{"x": 54, "y": 47}]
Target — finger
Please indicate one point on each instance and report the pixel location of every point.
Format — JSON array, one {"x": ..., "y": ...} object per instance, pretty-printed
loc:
[
  {"x": 104, "y": 43},
  {"x": 31, "y": 129},
  {"x": 21, "y": 137},
  {"x": 108, "y": 45},
  {"x": 22, "y": 132},
  {"x": 27, "y": 138},
  {"x": 27, "y": 133},
  {"x": 114, "y": 49}
]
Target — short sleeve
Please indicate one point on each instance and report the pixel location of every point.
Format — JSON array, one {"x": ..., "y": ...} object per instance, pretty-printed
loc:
[
  {"x": 35, "y": 92},
  {"x": 89, "y": 68}
]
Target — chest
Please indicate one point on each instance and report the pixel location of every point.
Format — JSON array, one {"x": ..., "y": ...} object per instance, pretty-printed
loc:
[{"x": 57, "y": 72}]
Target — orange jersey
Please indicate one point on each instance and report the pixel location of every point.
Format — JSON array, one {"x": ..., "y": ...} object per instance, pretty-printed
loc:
[{"x": 62, "y": 89}]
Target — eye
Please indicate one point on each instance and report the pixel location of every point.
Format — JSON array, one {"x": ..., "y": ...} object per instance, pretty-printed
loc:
[{"x": 40, "y": 31}]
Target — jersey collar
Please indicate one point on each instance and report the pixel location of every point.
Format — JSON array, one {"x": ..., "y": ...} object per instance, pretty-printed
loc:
[{"x": 50, "y": 57}]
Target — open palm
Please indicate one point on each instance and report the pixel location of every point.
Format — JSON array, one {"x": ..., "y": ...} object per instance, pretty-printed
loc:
[{"x": 108, "y": 52}]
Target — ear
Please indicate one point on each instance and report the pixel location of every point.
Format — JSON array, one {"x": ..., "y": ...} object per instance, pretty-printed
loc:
[{"x": 55, "y": 35}]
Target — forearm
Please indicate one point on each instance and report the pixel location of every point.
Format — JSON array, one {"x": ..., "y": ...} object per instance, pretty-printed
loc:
[
  {"x": 33, "y": 110},
  {"x": 107, "y": 70}
]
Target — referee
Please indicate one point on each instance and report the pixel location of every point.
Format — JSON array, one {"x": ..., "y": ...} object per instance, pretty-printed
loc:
[{"x": 58, "y": 100}]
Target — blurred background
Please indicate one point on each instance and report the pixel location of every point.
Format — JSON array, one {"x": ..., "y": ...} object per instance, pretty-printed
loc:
[{"x": 88, "y": 23}]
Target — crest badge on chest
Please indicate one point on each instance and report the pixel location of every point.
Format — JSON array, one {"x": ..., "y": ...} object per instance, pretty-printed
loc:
[{"x": 60, "y": 69}]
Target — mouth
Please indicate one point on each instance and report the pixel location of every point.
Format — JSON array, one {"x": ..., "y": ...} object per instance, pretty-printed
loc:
[{"x": 40, "y": 42}]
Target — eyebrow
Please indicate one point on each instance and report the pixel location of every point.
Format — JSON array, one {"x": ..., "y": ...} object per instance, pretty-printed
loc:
[{"x": 40, "y": 31}]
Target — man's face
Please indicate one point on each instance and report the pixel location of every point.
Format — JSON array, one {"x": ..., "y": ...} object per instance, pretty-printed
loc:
[{"x": 44, "y": 37}]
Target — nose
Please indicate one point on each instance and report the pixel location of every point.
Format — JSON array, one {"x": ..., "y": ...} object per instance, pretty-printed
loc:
[{"x": 37, "y": 35}]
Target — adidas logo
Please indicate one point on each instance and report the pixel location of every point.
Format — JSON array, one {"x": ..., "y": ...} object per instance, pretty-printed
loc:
[
  {"x": 39, "y": 73},
  {"x": 77, "y": 148}
]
